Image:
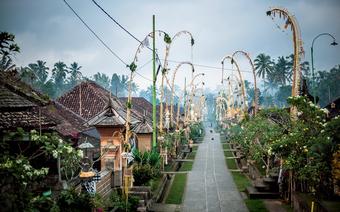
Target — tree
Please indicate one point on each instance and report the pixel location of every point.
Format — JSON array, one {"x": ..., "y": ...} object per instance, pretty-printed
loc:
[
  {"x": 40, "y": 71},
  {"x": 59, "y": 73},
  {"x": 263, "y": 65},
  {"x": 102, "y": 79},
  {"x": 8, "y": 48},
  {"x": 75, "y": 74},
  {"x": 27, "y": 75},
  {"x": 282, "y": 94},
  {"x": 328, "y": 88},
  {"x": 120, "y": 85},
  {"x": 280, "y": 72},
  {"x": 305, "y": 70},
  {"x": 147, "y": 94}
]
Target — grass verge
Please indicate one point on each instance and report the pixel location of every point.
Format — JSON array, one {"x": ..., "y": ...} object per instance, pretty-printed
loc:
[
  {"x": 186, "y": 166},
  {"x": 228, "y": 154},
  {"x": 176, "y": 192},
  {"x": 255, "y": 205},
  {"x": 191, "y": 155}
]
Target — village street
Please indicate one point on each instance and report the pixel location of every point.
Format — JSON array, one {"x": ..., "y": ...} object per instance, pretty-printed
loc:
[{"x": 210, "y": 186}]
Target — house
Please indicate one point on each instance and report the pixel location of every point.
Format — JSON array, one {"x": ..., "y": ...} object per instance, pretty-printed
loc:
[
  {"x": 21, "y": 106},
  {"x": 88, "y": 99}
]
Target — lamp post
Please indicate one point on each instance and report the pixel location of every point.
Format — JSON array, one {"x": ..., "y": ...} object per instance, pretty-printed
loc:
[{"x": 334, "y": 43}]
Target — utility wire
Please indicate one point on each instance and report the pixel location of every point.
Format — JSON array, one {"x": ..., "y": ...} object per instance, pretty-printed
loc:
[
  {"x": 123, "y": 28},
  {"x": 104, "y": 44},
  {"x": 210, "y": 67},
  {"x": 95, "y": 34}
]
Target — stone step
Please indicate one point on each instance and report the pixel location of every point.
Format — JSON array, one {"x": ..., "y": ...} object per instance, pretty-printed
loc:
[
  {"x": 232, "y": 157},
  {"x": 183, "y": 160},
  {"x": 260, "y": 186},
  {"x": 178, "y": 172},
  {"x": 253, "y": 193},
  {"x": 230, "y": 150},
  {"x": 235, "y": 170},
  {"x": 141, "y": 209}
]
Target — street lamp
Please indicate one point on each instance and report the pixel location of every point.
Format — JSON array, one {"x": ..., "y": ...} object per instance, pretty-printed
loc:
[{"x": 334, "y": 43}]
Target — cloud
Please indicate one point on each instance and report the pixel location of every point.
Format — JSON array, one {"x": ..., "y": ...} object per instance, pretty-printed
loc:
[{"x": 49, "y": 31}]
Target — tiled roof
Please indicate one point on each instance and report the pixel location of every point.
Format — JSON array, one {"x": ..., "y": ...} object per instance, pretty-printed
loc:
[
  {"x": 11, "y": 81},
  {"x": 69, "y": 124},
  {"x": 9, "y": 99},
  {"x": 142, "y": 127},
  {"x": 94, "y": 99},
  {"x": 27, "y": 119},
  {"x": 140, "y": 104}
]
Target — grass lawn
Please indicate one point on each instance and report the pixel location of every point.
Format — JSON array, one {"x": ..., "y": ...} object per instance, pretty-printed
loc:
[
  {"x": 241, "y": 181},
  {"x": 168, "y": 167},
  {"x": 225, "y": 146},
  {"x": 228, "y": 154},
  {"x": 194, "y": 148},
  {"x": 191, "y": 155},
  {"x": 186, "y": 166},
  {"x": 255, "y": 205},
  {"x": 175, "y": 195},
  {"x": 231, "y": 164}
]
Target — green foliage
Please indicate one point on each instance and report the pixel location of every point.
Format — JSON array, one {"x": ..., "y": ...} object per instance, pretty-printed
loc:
[
  {"x": 8, "y": 48},
  {"x": 146, "y": 166},
  {"x": 167, "y": 38},
  {"x": 70, "y": 200},
  {"x": 196, "y": 131},
  {"x": 22, "y": 166},
  {"x": 255, "y": 205},
  {"x": 306, "y": 144},
  {"x": 132, "y": 67},
  {"x": 118, "y": 202}
]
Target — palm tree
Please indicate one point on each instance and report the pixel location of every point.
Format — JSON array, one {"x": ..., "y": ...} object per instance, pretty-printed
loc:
[
  {"x": 7, "y": 49},
  {"x": 59, "y": 75},
  {"x": 263, "y": 65},
  {"x": 102, "y": 79},
  {"x": 75, "y": 74},
  {"x": 280, "y": 73},
  {"x": 40, "y": 70}
]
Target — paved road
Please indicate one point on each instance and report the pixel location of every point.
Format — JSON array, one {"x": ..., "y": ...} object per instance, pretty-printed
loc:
[{"x": 210, "y": 186}]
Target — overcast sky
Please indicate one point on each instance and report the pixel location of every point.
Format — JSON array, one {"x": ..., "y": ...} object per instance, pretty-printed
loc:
[{"x": 47, "y": 30}]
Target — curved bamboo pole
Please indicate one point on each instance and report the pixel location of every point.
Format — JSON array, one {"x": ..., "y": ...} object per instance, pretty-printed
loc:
[
  {"x": 192, "y": 91},
  {"x": 173, "y": 87},
  {"x": 164, "y": 73},
  {"x": 298, "y": 49},
  {"x": 133, "y": 67},
  {"x": 233, "y": 61},
  {"x": 256, "y": 95}
]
